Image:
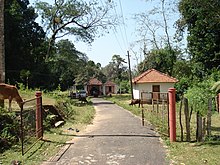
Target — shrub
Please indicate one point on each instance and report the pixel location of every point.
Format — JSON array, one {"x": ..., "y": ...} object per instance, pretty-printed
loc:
[{"x": 9, "y": 130}]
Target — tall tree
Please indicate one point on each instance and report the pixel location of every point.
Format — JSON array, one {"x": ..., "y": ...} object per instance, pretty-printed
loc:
[
  {"x": 90, "y": 70},
  {"x": 201, "y": 19},
  {"x": 83, "y": 19},
  {"x": 66, "y": 63},
  {"x": 23, "y": 36},
  {"x": 115, "y": 70},
  {"x": 157, "y": 33},
  {"x": 2, "y": 45},
  {"x": 160, "y": 59}
]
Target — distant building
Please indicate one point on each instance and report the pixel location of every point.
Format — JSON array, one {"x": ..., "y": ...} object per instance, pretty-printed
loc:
[
  {"x": 96, "y": 88},
  {"x": 154, "y": 83}
]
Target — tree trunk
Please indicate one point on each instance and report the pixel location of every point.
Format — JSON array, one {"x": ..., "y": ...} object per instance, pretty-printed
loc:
[
  {"x": 2, "y": 47},
  {"x": 2, "y": 44}
]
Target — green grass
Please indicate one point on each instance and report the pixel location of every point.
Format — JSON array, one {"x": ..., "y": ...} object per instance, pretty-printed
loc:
[
  {"x": 187, "y": 153},
  {"x": 78, "y": 116}
]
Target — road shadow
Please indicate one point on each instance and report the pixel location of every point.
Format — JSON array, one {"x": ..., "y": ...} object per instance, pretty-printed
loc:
[
  {"x": 109, "y": 135},
  {"x": 102, "y": 102}
]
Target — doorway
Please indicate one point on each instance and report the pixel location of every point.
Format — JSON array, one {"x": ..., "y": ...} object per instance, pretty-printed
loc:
[{"x": 156, "y": 92}]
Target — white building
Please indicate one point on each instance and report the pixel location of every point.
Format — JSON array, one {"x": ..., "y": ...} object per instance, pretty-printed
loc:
[{"x": 152, "y": 84}]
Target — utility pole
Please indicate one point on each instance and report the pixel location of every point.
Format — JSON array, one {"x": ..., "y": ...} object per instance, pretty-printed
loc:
[{"x": 129, "y": 65}]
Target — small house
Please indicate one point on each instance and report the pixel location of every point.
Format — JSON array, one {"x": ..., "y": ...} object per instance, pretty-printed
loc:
[
  {"x": 152, "y": 84},
  {"x": 96, "y": 88}
]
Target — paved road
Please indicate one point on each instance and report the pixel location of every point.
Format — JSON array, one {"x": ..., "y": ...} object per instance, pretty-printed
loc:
[{"x": 116, "y": 137}]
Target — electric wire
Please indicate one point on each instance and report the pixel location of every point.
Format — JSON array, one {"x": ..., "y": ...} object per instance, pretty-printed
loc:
[
  {"x": 115, "y": 32},
  {"x": 123, "y": 22}
]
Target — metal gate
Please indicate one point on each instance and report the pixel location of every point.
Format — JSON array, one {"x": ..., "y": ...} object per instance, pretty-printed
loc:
[{"x": 31, "y": 122}]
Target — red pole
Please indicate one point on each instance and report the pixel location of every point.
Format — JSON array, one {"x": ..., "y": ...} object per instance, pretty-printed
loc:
[
  {"x": 172, "y": 113},
  {"x": 218, "y": 102},
  {"x": 39, "y": 126}
]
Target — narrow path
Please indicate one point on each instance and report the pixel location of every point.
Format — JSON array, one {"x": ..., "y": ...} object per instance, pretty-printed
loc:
[{"x": 116, "y": 137}]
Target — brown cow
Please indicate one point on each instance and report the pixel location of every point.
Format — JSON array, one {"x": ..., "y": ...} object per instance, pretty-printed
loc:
[
  {"x": 10, "y": 92},
  {"x": 135, "y": 101}
]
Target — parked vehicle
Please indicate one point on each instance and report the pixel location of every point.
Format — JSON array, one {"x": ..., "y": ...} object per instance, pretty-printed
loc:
[
  {"x": 78, "y": 94},
  {"x": 81, "y": 93}
]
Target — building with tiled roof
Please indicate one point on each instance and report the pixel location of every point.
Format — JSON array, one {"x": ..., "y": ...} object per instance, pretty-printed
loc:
[
  {"x": 154, "y": 76},
  {"x": 95, "y": 87},
  {"x": 153, "y": 82},
  {"x": 94, "y": 81}
]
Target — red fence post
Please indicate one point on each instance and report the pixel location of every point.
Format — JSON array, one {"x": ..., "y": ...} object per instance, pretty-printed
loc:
[
  {"x": 218, "y": 102},
  {"x": 172, "y": 114},
  {"x": 39, "y": 124}
]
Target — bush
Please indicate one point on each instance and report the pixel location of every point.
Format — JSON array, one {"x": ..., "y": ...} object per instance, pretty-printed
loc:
[{"x": 9, "y": 130}]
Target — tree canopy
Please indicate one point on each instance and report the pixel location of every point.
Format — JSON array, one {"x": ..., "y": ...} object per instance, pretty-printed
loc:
[
  {"x": 201, "y": 20},
  {"x": 23, "y": 36},
  {"x": 83, "y": 19}
]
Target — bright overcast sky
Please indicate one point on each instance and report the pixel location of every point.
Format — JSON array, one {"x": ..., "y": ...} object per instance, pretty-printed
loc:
[{"x": 103, "y": 48}]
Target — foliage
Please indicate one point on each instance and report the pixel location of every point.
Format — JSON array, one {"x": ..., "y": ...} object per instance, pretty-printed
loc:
[
  {"x": 115, "y": 70},
  {"x": 66, "y": 63},
  {"x": 198, "y": 96},
  {"x": 83, "y": 19},
  {"x": 201, "y": 19},
  {"x": 9, "y": 130},
  {"x": 26, "y": 42},
  {"x": 215, "y": 77},
  {"x": 159, "y": 59},
  {"x": 90, "y": 70},
  {"x": 216, "y": 87},
  {"x": 183, "y": 69},
  {"x": 23, "y": 36},
  {"x": 125, "y": 86}
]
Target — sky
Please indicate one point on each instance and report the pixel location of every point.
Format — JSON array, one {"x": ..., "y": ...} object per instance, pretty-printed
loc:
[{"x": 119, "y": 42}]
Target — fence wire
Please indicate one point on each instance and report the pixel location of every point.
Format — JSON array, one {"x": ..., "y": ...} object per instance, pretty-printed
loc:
[
  {"x": 28, "y": 125},
  {"x": 155, "y": 107}
]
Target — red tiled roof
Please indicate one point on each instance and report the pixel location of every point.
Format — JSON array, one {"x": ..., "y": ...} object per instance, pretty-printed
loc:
[
  {"x": 153, "y": 75},
  {"x": 109, "y": 83},
  {"x": 94, "y": 81}
]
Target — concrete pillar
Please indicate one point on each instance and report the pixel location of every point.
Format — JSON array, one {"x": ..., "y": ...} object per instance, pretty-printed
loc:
[{"x": 172, "y": 113}]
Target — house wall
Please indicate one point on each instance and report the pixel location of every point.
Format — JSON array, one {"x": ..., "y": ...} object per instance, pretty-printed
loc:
[{"x": 147, "y": 87}]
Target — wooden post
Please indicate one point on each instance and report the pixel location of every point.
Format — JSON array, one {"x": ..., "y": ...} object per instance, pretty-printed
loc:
[
  {"x": 187, "y": 119},
  {"x": 142, "y": 111},
  {"x": 199, "y": 127},
  {"x": 172, "y": 114},
  {"x": 180, "y": 119},
  {"x": 39, "y": 123},
  {"x": 209, "y": 116}
]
